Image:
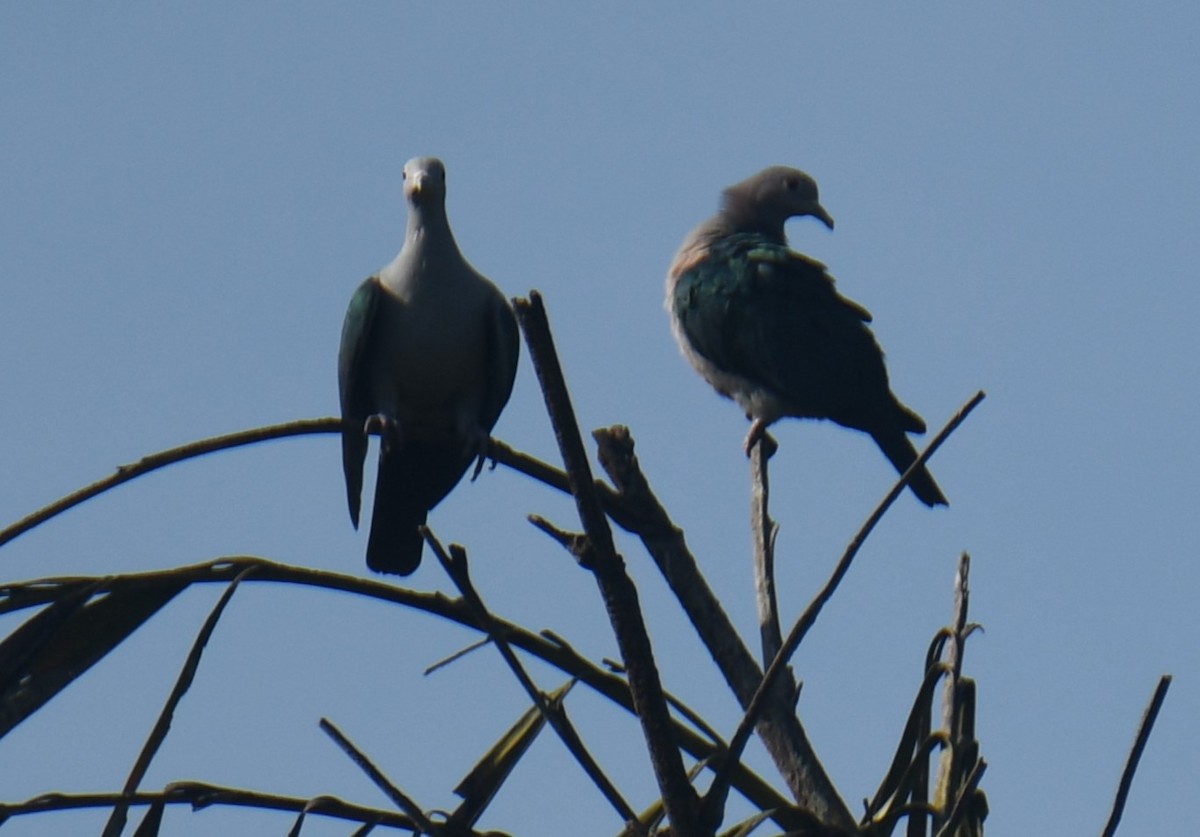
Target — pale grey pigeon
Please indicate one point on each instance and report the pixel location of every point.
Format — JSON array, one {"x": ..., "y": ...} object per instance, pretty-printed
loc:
[
  {"x": 765, "y": 326},
  {"x": 428, "y": 355}
]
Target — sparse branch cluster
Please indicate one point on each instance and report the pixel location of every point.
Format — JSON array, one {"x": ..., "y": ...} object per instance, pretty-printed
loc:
[{"x": 914, "y": 794}]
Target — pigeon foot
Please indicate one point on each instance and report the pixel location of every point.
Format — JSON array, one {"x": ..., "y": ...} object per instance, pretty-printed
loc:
[
  {"x": 758, "y": 429},
  {"x": 389, "y": 430}
]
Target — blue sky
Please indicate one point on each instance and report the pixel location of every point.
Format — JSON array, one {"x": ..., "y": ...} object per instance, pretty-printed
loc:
[{"x": 191, "y": 194}]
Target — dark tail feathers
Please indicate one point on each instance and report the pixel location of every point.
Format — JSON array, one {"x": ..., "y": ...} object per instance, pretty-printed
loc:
[
  {"x": 900, "y": 451},
  {"x": 412, "y": 480},
  {"x": 395, "y": 545}
]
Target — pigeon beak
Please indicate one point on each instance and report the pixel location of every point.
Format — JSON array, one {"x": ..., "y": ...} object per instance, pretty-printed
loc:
[
  {"x": 418, "y": 182},
  {"x": 821, "y": 215}
]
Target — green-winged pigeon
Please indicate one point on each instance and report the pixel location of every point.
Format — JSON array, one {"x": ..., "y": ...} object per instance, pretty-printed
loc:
[
  {"x": 765, "y": 326},
  {"x": 428, "y": 356}
]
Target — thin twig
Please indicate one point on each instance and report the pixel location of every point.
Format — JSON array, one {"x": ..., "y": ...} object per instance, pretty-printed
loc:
[
  {"x": 952, "y": 756},
  {"x": 809, "y": 617},
  {"x": 620, "y": 595},
  {"x": 199, "y": 795},
  {"x": 629, "y": 517},
  {"x": 402, "y": 800},
  {"x": 158, "y": 734},
  {"x": 456, "y": 656},
  {"x": 531, "y": 466},
  {"x": 455, "y": 565},
  {"x": 153, "y": 462},
  {"x": 497, "y": 451},
  {"x": 1135, "y": 755},
  {"x": 738, "y": 741},
  {"x": 763, "y": 529},
  {"x": 573, "y": 542},
  {"x": 690, "y": 715}
]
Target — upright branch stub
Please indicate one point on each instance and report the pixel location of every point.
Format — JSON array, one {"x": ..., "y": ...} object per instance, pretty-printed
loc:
[
  {"x": 616, "y": 588},
  {"x": 764, "y": 530},
  {"x": 958, "y": 803}
]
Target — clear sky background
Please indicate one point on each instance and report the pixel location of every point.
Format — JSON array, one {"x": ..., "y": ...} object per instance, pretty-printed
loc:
[{"x": 189, "y": 194}]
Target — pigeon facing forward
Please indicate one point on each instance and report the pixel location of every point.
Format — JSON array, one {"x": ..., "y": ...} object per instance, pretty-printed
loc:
[
  {"x": 428, "y": 357},
  {"x": 765, "y": 326}
]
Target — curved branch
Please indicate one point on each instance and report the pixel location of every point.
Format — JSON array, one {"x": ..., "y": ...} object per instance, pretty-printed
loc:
[
  {"x": 498, "y": 451},
  {"x": 154, "y": 461},
  {"x": 200, "y": 795},
  {"x": 26, "y": 594}
]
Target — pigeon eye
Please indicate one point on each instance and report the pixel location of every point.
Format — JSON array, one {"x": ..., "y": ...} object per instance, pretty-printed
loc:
[{"x": 791, "y": 184}]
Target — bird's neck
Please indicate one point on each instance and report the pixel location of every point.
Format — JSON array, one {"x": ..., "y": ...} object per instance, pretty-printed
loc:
[
  {"x": 428, "y": 232},
  {"x": 725, "y": 224},
  {"x": 740, "y": 215}
]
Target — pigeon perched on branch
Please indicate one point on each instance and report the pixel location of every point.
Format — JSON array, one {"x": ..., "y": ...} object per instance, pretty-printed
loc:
[
  {"x": 766, "y": 327},
  {"x": 428, "y": 356}
]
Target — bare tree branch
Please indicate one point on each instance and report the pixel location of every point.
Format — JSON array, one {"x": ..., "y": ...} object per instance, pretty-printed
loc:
[
  {"x": 1135, "y": 755},
  {"x": 15, "y": 596},
  {"x": 455, "y": 564},
  {"x": 738, "y": 741},
  {"x": 201, "y": 795},
  {"x": 764, "y": 529},
  {"x": 581, "y": 483},
  {"x": 402, "y": 800},
  {"x": 955, "y": 801},
  {"x": 153, "y": 462},
  {"x": 620, "y": 595},
  {"x": 158, "y": 734},
  {"x": 778, "y": 728},
  {"x": 952, "y": 703}
]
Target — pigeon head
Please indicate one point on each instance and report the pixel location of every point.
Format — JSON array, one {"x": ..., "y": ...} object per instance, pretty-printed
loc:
[
  {"x": 424, "y": 181},
  {"x": 766, "y": 200}
]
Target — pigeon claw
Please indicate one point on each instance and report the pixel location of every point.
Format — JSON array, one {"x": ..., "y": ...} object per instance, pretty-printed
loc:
[
  {"x": 758, "y": 429},
  {"x": 389, "y": 430},
  {"x": 479, "y": 445}
]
